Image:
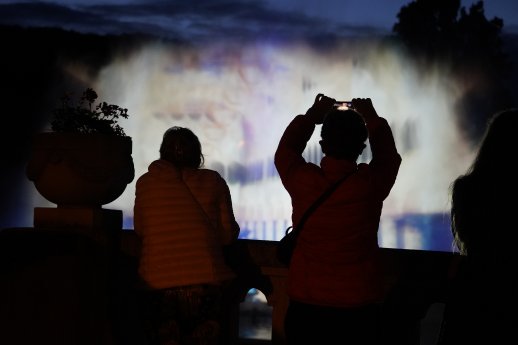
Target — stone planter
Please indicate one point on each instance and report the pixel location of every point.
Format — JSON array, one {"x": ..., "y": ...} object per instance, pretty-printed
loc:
[{"x": 80, "y": 170}]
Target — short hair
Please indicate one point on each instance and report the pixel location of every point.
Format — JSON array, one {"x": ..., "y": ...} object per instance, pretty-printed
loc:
[
  {"x": 343, "y": 134},
  {"x": 181, "y": 147}
]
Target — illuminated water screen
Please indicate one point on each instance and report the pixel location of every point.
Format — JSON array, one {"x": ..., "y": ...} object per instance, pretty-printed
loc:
[{"x": 239, "y": 98}]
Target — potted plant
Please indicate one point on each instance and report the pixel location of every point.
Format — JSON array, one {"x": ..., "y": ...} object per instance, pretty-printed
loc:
[{"x": 85, "y": 161}]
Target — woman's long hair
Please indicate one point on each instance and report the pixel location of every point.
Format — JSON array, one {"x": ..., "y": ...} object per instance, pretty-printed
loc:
[
  {"x": 484, "y": 200},
  {"x": 181, "y": 147}
]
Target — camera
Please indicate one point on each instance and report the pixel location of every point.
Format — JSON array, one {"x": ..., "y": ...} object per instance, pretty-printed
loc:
[{"x": 343, "y": 105}]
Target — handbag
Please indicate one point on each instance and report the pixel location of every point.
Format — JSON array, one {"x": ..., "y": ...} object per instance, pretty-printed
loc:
[{"x": 287, "y": 244}]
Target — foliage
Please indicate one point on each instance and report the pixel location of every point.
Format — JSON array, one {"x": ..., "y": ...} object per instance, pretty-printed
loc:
[
  {"x": 471, "y": 46},
  {"x": 84, "y": 117},
  {"x": 444, "y": 29}
]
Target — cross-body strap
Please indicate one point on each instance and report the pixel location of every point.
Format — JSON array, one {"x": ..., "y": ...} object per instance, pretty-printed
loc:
[
  {"x": 317, "y": 203},
  {"x": 206, "y": 216}
]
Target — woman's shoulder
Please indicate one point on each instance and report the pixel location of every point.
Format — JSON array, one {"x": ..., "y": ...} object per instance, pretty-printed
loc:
[
  {"x": 210, "y": 173},
  {"x": 206, "y": 175}
]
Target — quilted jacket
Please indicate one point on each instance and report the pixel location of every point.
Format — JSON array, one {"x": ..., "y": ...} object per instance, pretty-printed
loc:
[{"x": 179, "y": 245}]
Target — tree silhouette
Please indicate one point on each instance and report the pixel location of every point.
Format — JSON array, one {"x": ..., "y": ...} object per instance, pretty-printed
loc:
[
  {"x": 424, "y": 26},
  {"x": 469, "y": 44},
  {"x": 442, "y": 29}
]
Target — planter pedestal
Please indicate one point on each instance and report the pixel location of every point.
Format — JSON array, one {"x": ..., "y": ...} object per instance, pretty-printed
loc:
[
  {"x": 57, "y": 217},
  {"x": 80, "y": 173},
  {"x": 103, "y": 225}
]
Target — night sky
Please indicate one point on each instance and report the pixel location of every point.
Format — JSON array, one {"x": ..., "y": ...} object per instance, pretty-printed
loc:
[{"x": 199, "y": 19}]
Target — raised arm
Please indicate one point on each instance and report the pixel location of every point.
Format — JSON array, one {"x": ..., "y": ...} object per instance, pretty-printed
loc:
[
  {"x": 385, "y": 158},
  {"x": 293, "y": 142}
]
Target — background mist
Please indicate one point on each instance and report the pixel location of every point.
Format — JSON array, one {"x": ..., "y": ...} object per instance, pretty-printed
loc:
[{"x": 238, "y": 93}]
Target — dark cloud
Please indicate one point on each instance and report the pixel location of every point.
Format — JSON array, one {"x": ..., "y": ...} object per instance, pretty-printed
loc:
[{"x": 199, "y": 21}]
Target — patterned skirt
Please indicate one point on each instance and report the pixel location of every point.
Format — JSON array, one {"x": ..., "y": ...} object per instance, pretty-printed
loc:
[{"x": 187, "y": 315}]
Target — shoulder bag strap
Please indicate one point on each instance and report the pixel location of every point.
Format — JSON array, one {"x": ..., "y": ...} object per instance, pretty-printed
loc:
[
  {"x": 317, "y": 203},
  {"x": 195, "y": 199}
]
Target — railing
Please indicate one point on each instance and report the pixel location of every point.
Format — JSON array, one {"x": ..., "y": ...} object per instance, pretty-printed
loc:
[
  {"x": 422, "y": 270},
  {"x": 53, "y": 281}
]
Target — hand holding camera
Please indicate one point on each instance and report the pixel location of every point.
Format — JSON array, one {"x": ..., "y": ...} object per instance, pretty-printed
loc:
[
  {"x": 320, "y": 108},
  {"x": 365, "y": 108}
]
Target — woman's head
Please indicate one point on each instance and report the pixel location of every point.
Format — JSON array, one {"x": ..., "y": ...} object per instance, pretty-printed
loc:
[
  {"x": 343, "y": 134},
  {"x": 481, "y": 212},
  {"x": 181, "y": 147},
  {"x": 499, "y": 143}
]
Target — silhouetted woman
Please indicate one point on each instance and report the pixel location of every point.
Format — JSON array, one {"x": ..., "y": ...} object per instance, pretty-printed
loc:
[
  {"x": 184, "y": 216},
  {"x": 482, "y": 306}
]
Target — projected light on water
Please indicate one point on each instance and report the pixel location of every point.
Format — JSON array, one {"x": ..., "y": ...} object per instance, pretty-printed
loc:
[{"x": 239, "y": 99}]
